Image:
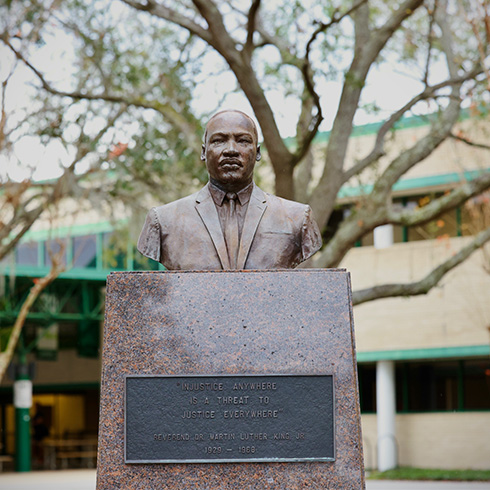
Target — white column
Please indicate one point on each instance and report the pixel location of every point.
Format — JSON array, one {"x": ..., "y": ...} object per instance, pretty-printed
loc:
[
  {"x": 385, "y": 411},
  {"x": 383, "y": 236}
]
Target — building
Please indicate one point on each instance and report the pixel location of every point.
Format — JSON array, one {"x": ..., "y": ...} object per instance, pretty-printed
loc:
[{"x": 424, "y": 362}]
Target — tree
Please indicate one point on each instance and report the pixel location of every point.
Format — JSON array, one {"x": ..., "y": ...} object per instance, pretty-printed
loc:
[
  {"x": 39, "y": 286},
  {"x": 89, "y": 133},
  {"x": 297, "y": 46}
]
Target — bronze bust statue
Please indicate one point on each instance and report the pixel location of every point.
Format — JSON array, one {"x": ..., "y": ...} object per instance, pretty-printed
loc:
[{"x": 230, "y": 223}]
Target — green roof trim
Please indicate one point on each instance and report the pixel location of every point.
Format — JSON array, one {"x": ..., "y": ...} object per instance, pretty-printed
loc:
[
  {"x": 90, "y": 274},
  {"x": 431, "y": 353},
  {"x": 345, "y": 192},
  {"x": 75, "y": 230},
  {"x": 370, "y": 128},
  {"x": 408, "y": 122},
  {"x": 416, "y": 183}
]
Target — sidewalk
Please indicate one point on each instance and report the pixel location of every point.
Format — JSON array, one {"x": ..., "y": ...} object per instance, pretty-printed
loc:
[{"x": 85, "y": 480}]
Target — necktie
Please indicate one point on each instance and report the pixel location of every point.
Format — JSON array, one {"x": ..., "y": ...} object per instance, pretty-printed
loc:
[{"x": 231, "y": 230}]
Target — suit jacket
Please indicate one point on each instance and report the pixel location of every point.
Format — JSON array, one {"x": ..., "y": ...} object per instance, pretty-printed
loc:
[{"x": 186, "y": 234}]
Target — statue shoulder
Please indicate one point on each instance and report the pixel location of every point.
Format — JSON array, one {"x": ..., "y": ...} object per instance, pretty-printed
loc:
[
  {"x": 173, "y": 208},
  {"x": 302, "y": 216},
  {"x": 292, "y": 208}
]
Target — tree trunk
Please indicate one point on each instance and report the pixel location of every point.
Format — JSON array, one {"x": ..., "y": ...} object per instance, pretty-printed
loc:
[{"x": 285, "y": 183}]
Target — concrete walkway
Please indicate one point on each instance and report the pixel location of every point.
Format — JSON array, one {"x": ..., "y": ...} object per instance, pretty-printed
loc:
[{"x": 85, "y": 480}]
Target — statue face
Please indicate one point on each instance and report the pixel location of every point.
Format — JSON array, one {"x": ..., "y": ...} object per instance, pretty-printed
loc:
[{"x": 230, "y": 150}]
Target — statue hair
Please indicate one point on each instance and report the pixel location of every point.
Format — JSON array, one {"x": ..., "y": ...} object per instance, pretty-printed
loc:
[{"x": 256, "y": 134}]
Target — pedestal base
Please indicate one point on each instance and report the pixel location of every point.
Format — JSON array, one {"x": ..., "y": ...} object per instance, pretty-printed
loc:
[{"x": 230, "y": 323}]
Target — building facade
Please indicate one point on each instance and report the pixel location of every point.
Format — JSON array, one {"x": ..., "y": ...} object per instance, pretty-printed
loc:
[{"x": 424, "y": 362}]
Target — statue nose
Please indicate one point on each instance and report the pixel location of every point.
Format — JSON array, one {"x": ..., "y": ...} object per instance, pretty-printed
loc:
[{"x": 231, "y": 147}]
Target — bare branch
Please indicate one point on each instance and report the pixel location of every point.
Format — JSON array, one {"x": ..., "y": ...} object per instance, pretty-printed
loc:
[
  {"x": 39, "y": 285},
  {"x": 367, "y": 48},
  {"x": 378, "y": 148},
  {"x": 171, "y": 15},
  {"x": 306, "y": 70},
  {"x": 252, "y": 16},
  {"x": 427, "y": 283},
  {"x": 165, "y": 109},
  {"x": 281, "y": 157},
  {"x": 306, "y": 139},
  {"x": 467, "y": 141},
  {"x": 77, "y": 95},
  {"x": 28, "y": 219},
  {"x": 219, "y": 38},
  {"x": 372, "y": 214},
  {"x": 482, "y": 44},
  {"x": 287, "y": 56},
  {"x": 381, "y": 36},
  {"x": 323, "y": 26},
  {"x": 429, "y": 43},
  {"x": 442, "y": 204},
  {"x": 440, "y": 130},
  {"x": 24, "y": 218}
]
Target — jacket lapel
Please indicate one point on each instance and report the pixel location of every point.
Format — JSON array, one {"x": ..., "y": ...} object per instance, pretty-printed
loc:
[
  {"x": 207, "y": 211},
  {"x": 256, "y": 208}
]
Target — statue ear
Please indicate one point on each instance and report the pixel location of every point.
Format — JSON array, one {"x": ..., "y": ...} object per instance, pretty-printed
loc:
[
  {"x": 203, "y": 153},
  {"x": 259, "y": 155}
]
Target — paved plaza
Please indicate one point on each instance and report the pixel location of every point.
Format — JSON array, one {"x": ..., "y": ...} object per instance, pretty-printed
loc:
[{"x": 85, "y": 480}]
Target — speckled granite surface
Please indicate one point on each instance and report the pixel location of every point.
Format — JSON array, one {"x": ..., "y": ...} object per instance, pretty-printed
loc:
[{"x": 211, "y": 323}]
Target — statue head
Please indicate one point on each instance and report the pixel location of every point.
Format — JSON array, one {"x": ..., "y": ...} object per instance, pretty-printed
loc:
[{"x": 230, "y": 149}]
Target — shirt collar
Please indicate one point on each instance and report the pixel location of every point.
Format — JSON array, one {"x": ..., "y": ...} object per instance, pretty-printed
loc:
[{"x": 218, "y": 195}]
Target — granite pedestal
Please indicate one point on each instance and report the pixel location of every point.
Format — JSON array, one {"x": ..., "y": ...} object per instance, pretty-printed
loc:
[{"x": 227, "y": 327}]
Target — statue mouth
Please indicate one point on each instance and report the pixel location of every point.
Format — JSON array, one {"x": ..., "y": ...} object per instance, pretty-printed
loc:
[{"x": 231, "y": 162}]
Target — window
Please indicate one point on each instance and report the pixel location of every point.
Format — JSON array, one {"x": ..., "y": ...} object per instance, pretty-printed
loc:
[
  {"x": 84, "y": 251},
  {"x": 53, "y": 247},
  {"x": 27, "y": 254},
  {"x": 367, "y": 387},
  {"x": 432, "y": 386},
  {"x": 476, "y": 385}
]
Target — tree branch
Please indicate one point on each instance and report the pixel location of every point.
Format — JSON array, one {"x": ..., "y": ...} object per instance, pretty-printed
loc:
[
  {"x": 372, "y": 214},
  {"x": 3, "y": 114},
  {"x": 440, "y": 130},
  {"x": 306, "y": 138},
  {"x": 171, "y": 15},
  {"x": 220, "y": 38},
  {"x": 442, "y": 204},
  {"x": 165, "y": 109},
  {"x": 378, "y": 148},
  {"x": 429, "y": 42},
  {"x": 36, "y": 290},
  {"x": 381, "y": 36},
  {"x": 58, "y": 190},
  {"x": 368, "y": 45},
  {"x": 376, "y": 209},
  {"x": 251, "y": 22},
  {"x": 469, "y": 142},
  {"x": 323, "y": 26},
  {"x": 280, "y": 156},
  {"x": 287, "y": 56},
  {"x": 29, "y": 219},
  {"x": 427, "y": 283},
  {"x": 77, "y": 95},
  {"x": 482, "y": 44}
]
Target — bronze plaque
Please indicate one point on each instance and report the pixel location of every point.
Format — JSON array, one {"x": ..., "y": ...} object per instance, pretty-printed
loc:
[{"x": 229, "y": 418}]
